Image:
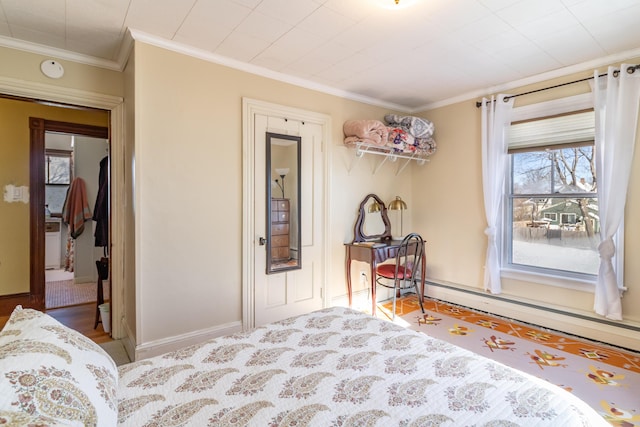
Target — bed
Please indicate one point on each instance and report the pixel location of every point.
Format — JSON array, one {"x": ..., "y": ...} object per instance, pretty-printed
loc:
[{"x": 333, "y": 367}]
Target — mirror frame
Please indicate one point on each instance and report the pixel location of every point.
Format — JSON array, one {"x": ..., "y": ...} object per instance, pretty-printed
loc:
[
  {"x": 358, "y": 231},
  {"x": 274, "y": 267}
]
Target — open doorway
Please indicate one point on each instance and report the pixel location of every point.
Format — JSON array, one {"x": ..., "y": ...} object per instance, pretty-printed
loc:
[
  {"x": 21, "y": 100},
  {"x": 79, "y": 152},
  {"x": 70, "y": 270}
]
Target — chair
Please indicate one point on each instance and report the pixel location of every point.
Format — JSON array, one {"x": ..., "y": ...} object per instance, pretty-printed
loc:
[{"x": 407, "y": 267}]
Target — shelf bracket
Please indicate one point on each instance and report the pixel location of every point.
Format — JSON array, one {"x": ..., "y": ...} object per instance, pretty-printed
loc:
[
  {"x": 362, "y": 148},
  {"x": 377, "y": 168},
  {"x": 358, "y": 155}
]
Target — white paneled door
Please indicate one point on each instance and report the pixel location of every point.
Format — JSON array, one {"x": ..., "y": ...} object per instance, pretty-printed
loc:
[{"x": 283, "y": 294}]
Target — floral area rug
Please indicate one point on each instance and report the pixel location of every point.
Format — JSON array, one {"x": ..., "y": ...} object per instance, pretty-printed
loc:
[{"x": 606, "y": 377}]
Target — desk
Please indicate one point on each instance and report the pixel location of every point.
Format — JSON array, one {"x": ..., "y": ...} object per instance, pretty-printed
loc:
[{"x": 374, "y": 253}]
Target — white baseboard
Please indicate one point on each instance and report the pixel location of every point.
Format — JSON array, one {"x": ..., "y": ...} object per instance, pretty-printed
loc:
[
  {"x": 128, "y": 340},
  {"x": 626, "y": 335},
  {"x": 154, "y": 348}
]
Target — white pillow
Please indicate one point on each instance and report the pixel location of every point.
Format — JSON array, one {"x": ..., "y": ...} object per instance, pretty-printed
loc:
[{"x": 54, "y": 374}]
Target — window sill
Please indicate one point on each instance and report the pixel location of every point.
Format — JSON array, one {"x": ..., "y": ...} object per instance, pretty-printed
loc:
[{"x": 550, "y": 280}]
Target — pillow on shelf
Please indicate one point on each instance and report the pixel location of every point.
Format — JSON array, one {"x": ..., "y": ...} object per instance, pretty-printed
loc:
[{"x": 54, "y": 375}]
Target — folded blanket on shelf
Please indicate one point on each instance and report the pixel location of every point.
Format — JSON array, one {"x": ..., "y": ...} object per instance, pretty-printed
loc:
[
  {"x": 402, "y": 141},
  {"x": 369, "y": 131},
  {"x": 416, "y": 126}
]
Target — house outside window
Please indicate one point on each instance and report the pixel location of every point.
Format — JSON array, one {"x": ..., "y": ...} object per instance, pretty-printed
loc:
[{"x": 551, "y": 220}]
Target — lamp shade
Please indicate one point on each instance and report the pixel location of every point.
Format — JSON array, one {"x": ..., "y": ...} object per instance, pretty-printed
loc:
[
  {"x": 398, "y": 204},
  {"x": 374, "y": 207},
  {"x": 282, "y": 171}
]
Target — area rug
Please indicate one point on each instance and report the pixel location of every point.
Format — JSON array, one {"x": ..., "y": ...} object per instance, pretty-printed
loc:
[
  {"x": 64, "y": 293},
  {"x": 606, "y": 377}
]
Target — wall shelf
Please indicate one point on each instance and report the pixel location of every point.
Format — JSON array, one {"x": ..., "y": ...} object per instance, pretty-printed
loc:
[{"x": 362, "y": 148}]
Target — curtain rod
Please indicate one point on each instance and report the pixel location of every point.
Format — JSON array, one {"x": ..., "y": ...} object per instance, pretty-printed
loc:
[{"x": 630, "y": 70}]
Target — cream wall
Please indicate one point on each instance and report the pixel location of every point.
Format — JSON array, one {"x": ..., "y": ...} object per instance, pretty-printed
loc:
[
  {"x": 188, "y": 184},
  {"x": 452, "y": 214}
]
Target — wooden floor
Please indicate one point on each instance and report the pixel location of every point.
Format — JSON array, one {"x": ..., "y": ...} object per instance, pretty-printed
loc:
[{"x": 78, "y": 317}]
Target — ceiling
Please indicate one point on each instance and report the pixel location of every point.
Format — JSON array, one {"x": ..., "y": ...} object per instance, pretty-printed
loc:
[{"x": 422, "y": 53}]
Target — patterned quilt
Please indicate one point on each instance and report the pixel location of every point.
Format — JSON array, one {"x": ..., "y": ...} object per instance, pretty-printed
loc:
[{"x": 338, "y": 367}]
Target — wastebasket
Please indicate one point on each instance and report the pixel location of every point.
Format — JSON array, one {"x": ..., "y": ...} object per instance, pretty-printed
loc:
[{"x": 104, "y": 316}]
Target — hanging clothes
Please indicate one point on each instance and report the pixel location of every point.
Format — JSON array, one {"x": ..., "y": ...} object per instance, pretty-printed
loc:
[
  {"x": 76, "y": 211},
  {"x": 70, "y": 254},
  {"x": 101, "y": 207}
]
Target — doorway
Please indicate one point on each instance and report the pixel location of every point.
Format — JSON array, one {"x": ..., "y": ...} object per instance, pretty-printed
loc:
[
  {"x": 121, "y": 216},
  {"x": 45, "y": 224},
  {"x": 70, "y": 270}
]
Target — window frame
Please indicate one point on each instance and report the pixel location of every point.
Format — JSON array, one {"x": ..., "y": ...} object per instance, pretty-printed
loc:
[
  {"x": 559, "y": 278},
  {"x": 49, "y": 152}
]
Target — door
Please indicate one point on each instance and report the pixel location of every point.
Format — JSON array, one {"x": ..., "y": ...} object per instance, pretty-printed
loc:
[{"x": 283, "y": 294}]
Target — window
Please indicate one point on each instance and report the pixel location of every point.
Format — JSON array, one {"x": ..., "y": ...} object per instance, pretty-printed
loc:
[
  {"x": 57, "y": 167},
  {"x": 57, "y": 177},
  {"x": 552, "y": 216},
  {"x": 568, "y": 218}
]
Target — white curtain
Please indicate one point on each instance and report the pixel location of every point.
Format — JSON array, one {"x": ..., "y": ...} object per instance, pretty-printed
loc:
[
  {"x": 616, "y": 101},
  {"x": 496, "y": 119}
]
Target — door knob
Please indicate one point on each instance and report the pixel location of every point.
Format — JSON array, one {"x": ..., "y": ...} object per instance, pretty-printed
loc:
[{"x": 262, "y": 241}]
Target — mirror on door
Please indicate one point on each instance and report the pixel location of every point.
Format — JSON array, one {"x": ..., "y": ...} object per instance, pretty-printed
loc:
[{"x": 283, "y": 244}]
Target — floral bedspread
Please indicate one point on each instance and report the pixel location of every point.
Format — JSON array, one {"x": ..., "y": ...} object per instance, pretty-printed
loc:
[{"x": 338, "y": 367}]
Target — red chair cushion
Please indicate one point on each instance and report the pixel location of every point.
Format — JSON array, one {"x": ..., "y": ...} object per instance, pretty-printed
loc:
[{"x": 389, "y": 270}]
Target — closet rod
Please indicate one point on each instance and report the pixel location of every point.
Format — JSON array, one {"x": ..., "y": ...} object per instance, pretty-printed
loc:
[{"x": 630, "y": 70}]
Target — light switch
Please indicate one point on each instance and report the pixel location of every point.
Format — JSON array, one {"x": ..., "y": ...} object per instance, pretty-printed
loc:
[{"x": 14, "y": 193}]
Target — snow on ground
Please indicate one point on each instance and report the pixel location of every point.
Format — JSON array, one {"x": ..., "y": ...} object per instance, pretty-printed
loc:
[{"x": 556, "y": 257}]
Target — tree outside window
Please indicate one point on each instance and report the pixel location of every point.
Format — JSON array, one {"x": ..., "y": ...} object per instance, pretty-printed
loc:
[
  {"x": 553, "y": 202},
  {"x": 57, "y": 167}
]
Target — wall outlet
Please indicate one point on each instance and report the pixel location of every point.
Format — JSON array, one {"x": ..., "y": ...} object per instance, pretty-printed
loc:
[{"x": 363, "y": 277}]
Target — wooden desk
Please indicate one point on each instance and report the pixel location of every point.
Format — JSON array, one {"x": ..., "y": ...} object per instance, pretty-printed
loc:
[{"x": 374, "y": 253}]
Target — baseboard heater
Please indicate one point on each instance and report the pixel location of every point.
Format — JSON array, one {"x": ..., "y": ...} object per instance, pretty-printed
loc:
[{"x": 611, "y": 332}]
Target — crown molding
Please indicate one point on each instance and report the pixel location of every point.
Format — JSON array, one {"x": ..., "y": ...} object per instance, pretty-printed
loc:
[
  {"x": 126, "y": 46},
  {"x": 146, "y": 38},
  {"x": 59, "y": 53},
  {"x": 136, "y": 35},
  {"x": 550, "y": 75}
]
